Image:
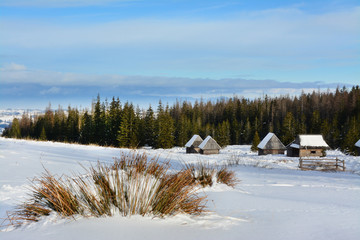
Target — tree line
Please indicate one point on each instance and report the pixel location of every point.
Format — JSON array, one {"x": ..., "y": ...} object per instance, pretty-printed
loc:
[{"x": 236, "y": 120}]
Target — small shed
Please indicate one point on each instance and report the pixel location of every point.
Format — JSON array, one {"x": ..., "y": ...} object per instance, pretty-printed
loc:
[
  {"x": 357, "y": 145},
  {"x": 192, "y": 146},
  {"x": 271, "y": 144},
  {"x": 209, "y": 146},
  {"x": 307, "y": 146}
]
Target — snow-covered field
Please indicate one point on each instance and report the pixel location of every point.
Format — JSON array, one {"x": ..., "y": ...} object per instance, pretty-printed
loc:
[{"x": 274, "y": 200}]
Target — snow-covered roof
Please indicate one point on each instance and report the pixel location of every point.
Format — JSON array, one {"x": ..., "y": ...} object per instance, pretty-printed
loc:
[
  {"x": 312, "y": 141},
  {"x": 294, "y": 145},
  {"x": 357, "y": 144},
  {"x": 271, "y": 141},
  {"x": 209, "y": 143},
  {"x": 192, "y": 140},
  {"x": 266, "y": 139}
]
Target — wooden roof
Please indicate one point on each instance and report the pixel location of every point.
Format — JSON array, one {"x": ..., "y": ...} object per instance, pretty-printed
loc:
[
  {"x": 195, "y": 141},
  {"x": 209, "y": 143},
  {"x": 271, "y": 141}
]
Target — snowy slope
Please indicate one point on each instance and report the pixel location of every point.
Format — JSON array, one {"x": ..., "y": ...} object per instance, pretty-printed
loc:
[{"x": 274, "y": 200}]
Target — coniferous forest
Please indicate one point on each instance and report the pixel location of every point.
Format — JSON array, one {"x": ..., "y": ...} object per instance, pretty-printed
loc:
[{"x": 237, "y": 120}]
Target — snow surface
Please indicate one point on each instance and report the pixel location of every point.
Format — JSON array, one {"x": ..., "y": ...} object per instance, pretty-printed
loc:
[
  {"x": 274, "y": 200},
  {"x": 266, "y": 139},
  {"x": 312, "y": 141}
]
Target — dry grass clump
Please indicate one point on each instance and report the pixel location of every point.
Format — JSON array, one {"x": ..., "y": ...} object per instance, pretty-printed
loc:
[
  {"x": 132, "y": 185},
  {"x": 223, "y": 175},
  {"x": 206, "y": 174},
  {"x": 177, "y": 194}
]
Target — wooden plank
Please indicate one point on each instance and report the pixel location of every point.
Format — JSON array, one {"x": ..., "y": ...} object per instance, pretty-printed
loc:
[{"x": 324, "y": 164}]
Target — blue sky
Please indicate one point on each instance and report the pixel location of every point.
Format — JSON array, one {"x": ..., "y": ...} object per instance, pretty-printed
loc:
[{"x": 67, "y": 51}]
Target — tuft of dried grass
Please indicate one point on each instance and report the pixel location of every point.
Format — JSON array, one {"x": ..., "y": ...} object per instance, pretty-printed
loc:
[
  {"x": 56, "y": 194},
  {"x": 227, "y": 177},
  {"x": 206, "y": 174},
  {"x": 131, "y": 185},
  {"x": 176, "y": 194}
]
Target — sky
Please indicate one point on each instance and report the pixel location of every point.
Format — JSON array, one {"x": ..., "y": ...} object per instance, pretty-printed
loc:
[{"x": 68, "y": 51}]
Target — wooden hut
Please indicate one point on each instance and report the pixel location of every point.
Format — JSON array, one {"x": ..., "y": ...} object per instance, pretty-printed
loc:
[
  {"x": 271, "y": 145},
  {"x": 192, "y": 146},
  {"x": 357, "y": 145},
  {"x": 209, "y": 146},
  {"x": 307, "y": 146}
]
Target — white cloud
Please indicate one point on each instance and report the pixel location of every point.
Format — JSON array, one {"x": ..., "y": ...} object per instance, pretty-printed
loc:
[
  {"x": 50, "y": 91},
  {"x": 280, "y": 32},
  {"x": 58, "y": 82},
  {"x": 10, "y": 67}
]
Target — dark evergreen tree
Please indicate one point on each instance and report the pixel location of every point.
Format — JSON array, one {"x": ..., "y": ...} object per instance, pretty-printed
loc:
[
  {"x": 15, "y": 131},
  {"x": 222, "y": 134},
  {"x": 99, "y": 123},
  {"x": 165, "y": 128},
  {"x": 86, "y": 129},
  {"x": 113, "y": 121},
  {"x": 149, "y": 128},
  {"x": 288, "y": 129},
  {"x": 255, "y": 142}
]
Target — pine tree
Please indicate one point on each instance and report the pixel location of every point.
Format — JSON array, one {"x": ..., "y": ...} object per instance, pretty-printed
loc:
[
  {"x": 315, "y": 122},
  {"x": 42, "y": 134},
  {"x": 113, "y": 121},
  {"x": 99, "y": 123},
  {"x": 255, "y": 142},
  {"x": 15, "y": 131},
  {"x": 86, "y": 130},
  {"x": 149, "y": 128},
  {"x": 222, "y": 134},
  {"x": 351, "y": 137},
  {"x": 288, "y": 128},
  {"x": 72, "y": 125},
  {"x": 127, "y": 136},
  {"x": 165, "y": 129},
  {"x": 247, "y": 132}
]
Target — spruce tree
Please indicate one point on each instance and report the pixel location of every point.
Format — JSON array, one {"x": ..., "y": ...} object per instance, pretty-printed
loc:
[
  {"x": 288, "y": 129},
  {"x": 149, "y": 128},
  {"x": 255, "y": 142},
  {"x": 165, "y": 129},
  {"x": 113, "y": 121},
  {"x": 43, "y": 134},
  {"x": 99, "y": 123},
  {"x": 15, "y": 131},
  {"x": 86, "y": 129},
  {"x": 222, "y": 134}
]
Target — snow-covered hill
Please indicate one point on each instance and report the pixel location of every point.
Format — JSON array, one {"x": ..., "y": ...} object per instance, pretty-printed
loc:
[
  {"x": 274, "y": 200},
  {"x": 7, "y": 116}
]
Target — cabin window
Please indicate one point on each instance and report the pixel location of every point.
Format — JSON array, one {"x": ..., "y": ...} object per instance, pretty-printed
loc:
[{"x": 313, "y": 152}]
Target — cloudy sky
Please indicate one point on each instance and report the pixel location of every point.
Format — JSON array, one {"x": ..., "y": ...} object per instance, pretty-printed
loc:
[{"x": 68, "y": 51}]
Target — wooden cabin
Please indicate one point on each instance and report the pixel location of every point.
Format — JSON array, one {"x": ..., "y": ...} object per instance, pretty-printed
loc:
[
  {"x": 357, "y": 145},
  {"x": 271, "y": 144},
  {"x": 192, "y": 146},
  {"x": 307, "y": 146},
  {"x": 209, "y": 146}
]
